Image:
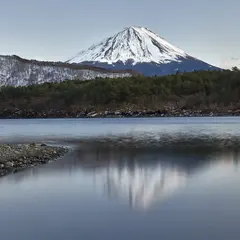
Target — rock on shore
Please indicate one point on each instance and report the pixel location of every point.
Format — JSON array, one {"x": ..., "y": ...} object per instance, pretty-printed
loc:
[
  {"x": 16, "y": 157},
  {"x": 166, "y": 112}
]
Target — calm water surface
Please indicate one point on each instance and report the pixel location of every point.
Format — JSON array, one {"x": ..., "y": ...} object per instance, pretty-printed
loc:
[{"x": 124, "y": 193}]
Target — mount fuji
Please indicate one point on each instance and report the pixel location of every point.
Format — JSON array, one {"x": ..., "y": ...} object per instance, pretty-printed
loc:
[{"x": 139, "y": 49}]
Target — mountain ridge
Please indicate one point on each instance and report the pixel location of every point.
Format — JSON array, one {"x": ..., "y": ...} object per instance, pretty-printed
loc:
[{"x": 17, "y": 71}]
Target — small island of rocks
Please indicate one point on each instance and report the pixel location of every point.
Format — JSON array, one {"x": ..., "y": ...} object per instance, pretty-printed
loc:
[{"x": 16, "y": 157}]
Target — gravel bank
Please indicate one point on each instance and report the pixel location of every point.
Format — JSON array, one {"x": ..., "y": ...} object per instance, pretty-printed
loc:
[{"x": 16, "y": 157}]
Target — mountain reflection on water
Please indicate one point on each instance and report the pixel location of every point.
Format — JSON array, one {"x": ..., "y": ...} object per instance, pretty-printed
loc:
[
  {"x": 142, "y": 186},
  {"x": 145, "y": 178},
  {"x": 139, "y": 177}
]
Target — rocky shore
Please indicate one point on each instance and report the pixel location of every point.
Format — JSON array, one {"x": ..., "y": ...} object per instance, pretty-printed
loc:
[
  {"x": 174, "y": 112},
  {"x": 16, "y": 157}
]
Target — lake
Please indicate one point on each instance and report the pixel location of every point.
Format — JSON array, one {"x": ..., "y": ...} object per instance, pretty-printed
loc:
[{"x": 142, "y": 178}]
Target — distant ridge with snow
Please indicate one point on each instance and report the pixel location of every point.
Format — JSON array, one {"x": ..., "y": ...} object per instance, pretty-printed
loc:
[
  {"x": 139, "y": 49},
  {"x": 16, "y": 71}
]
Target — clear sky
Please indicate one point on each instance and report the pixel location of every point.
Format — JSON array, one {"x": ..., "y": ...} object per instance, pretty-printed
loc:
[{"x": 58, "y": 29}]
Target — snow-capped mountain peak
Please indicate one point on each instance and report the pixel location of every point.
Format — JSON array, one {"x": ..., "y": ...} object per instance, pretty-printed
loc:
[
  {"x": 133, "y": 44},
  {"x": 141, "y": 50}
]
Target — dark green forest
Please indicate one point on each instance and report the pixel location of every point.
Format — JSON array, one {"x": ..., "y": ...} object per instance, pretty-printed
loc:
[{"x": 195, "y": 90}]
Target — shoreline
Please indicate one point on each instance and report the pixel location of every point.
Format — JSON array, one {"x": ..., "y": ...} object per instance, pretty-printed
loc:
[
  {"x": 18, "y": 157},
  {"x": 30, "y": 114}
]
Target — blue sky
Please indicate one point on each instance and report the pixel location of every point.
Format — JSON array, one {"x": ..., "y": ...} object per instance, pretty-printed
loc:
[{"x": 58, "y": 29}]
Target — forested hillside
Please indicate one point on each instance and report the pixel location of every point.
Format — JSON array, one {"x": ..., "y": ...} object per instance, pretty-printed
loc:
[{"x": 196, "y": 91}]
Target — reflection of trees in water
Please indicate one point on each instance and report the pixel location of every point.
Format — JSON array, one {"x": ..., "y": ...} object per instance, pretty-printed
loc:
[{"x": 228, "y": 160}]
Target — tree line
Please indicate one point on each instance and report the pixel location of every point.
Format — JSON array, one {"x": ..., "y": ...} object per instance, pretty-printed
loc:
[{"x": 194, "y": 90}]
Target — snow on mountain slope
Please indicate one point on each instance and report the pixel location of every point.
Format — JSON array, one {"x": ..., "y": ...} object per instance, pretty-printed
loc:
[
  {"x": 15, "y": 71},
  {"x": 139, "y": 49},
  {"x": 137, "y": 44}
]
